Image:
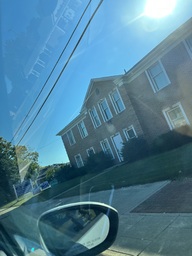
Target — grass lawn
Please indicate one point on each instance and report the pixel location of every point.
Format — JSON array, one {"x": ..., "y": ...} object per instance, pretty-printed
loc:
[
  {"x": 16, "y": 203},
  {"x": 170, "y": 165}
]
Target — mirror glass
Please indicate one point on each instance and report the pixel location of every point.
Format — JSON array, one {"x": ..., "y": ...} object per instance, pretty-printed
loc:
[{"x": 72, "y": 231}]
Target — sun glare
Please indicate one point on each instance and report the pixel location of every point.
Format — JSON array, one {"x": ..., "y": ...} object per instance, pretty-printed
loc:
[{"x": 159, "y": 8}]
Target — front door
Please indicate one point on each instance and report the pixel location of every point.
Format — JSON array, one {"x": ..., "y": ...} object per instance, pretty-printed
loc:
[{"x": 118, "y": 144}]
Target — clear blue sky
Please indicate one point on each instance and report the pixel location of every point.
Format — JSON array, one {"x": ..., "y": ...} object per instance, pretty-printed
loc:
[{"x": 118, "y": 38}]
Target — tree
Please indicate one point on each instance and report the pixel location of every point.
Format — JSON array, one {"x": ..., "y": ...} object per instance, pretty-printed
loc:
[
  {"x": 50, "y": 173},
  {"x": 28, "y": 162},
  {"x": 9, "y": 170},
  {"x": 12, "y": 161}
]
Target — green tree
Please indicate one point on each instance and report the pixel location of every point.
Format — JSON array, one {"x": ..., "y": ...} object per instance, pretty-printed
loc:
[
  {"x": 14, "y": 161},
  {"x": 50, "y": 173},
  {"x": 28, "y": 162},
  {"x": 9, "y": 170}
]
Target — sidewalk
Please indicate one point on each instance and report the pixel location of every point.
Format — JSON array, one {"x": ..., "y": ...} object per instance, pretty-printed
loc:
[
  {"x": 152, "y": 234},
  {"x": 140, "y": 233}
]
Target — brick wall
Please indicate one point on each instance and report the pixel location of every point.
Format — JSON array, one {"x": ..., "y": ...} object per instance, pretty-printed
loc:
[
  {"x": 119, "y": 121},
  {"x": 149, "y": 105}
]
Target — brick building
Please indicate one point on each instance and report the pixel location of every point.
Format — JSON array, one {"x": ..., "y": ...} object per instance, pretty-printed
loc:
[{"x": 150, "y": 99}]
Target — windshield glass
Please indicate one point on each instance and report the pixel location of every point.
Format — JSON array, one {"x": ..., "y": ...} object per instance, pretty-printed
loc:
[{"x": 96, "y": 106}]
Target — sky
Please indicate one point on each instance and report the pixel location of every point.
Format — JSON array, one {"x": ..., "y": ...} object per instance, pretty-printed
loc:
[{"x": 118, "y": 37}]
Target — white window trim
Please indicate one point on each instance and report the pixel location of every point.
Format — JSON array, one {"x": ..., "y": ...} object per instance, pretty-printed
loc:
[
  {"x": 156, "y": 90},
  {"x": 166, "y": 115},
  {"x": 72, "y": 136},
  {"x": 129, "y": 128},
  {"x": 79, "y": 155},
  {"x": 112, "y": 101},
  {"x": 94, "y": 124},
  {"x": 80, "y": 131},
  {"x": 101, "y": 111},
  {"x": 187, "y": 47},
  {"x": 119, "y": 158},
  {"x": 87, "y": 150},
  {"x": 109, "y": 147}
]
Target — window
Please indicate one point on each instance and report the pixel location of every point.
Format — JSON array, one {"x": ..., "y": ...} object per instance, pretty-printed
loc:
[
  {"x": 157, "y": 76},
  {"x": 188, "y": 44},
  {"x": 105, "y": 110},
  {"x": 79, "y": 161},
  {"x": 82, "y": 130},
  {"x": 117, "y": 101},
  {"x": 106, "y": 148},
  {"x": 94, "y": 117},
  {"x": 175, "y": 116},
  {"x": 90, "y": 151},
  {"x": 130, "y": 133},
  {"x": 70, "y": 137}
]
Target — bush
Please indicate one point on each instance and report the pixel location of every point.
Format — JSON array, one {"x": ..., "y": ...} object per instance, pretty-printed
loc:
[
  {"x": 135, "y": 149},
  {"x": 172, "y": 139},
  {"x": 75, "y": 172},
  {"x": 98, "y": 162},
  {"x": 67, "y": 173},
  {"x": 63, "y": 173}
]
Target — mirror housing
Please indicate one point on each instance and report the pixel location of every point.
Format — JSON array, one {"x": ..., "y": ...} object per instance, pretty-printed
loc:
[{"x": 86, "y": 228}]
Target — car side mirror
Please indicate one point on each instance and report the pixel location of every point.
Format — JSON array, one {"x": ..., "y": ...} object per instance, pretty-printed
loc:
[{"x": 86, "y": 228}]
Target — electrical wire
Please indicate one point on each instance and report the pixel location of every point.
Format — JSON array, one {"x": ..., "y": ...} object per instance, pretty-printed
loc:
[
  {"x": 53, "y": 69},
  {"x": 67, "y": 62}
]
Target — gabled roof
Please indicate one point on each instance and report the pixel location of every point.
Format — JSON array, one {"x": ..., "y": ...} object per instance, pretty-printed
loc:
[
  {"x": 71, "y": 124},
  {"x": 83, "y": 111},
  {"x": 116, "y": 79}
]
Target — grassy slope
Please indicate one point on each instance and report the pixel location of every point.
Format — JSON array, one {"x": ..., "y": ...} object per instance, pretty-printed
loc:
[{"x": 164, "y": 166}]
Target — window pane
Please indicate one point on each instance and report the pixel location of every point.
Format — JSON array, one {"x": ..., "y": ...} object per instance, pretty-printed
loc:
[
  {"x": 95, "y": 117},
  {"x": 158, "y": 76},
  {"x": 107, "y": 113},
  {"x": 176, "y": 117},
  {"x": 179, "y": 122},
  {"x": 105, "y": 110},
  {"x": 70, "y": 137},
  {"x": 155, "y": 70},
  {"x": 90, "y": 152},
  {"x": 82, "y": 129},
  {"x": 104, "y": 104},
  {"x": 117, "y": 102},
  {"x": 79, "y": 161},
  {"x": 131, "y": 133},
  {"x": 120, "y": 105},
  {"x": 160, "y": 81},
  {"x": 106, "y": 148},
  {"x": 115, "y": 96}
]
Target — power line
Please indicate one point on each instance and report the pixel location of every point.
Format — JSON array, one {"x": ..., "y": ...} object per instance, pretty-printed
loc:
[
  {"x": 70, "y": 38},
  {"x": 67, "y": 62}
]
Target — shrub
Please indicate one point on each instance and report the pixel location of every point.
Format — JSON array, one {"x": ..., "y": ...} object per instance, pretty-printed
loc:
[
  {"x": 135, "y": 149},
  {"x": 67, "y": 173},
  {"x": 172, "y": 139},
  {"x": 73, "y": 172},
  {"x": 98, "y": 162},
  {"x": 50, "y": 174}
]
